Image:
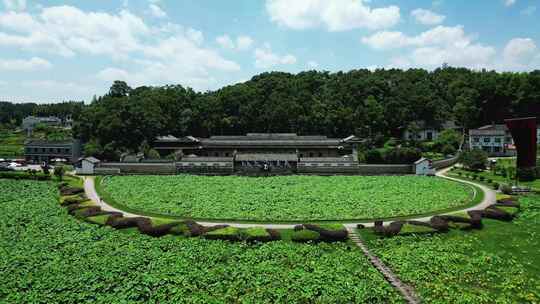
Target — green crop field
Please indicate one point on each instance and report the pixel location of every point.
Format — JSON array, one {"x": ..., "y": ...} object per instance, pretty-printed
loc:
[
  {"x": 498, "y": 264},
  {"x": 11, "y": 144},
  {"x": 286, "y": 198},
  {"x": 48, "y": 256}
]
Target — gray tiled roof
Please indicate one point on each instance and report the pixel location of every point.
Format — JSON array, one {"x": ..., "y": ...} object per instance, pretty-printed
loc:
[{"x": 266, "y": 156}]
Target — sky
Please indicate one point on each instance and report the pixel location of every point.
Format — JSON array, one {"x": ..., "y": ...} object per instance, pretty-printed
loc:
[{"x": 52, "y": 51}]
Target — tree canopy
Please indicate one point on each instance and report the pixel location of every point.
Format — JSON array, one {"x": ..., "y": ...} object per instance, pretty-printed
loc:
[{"x": 377, "y": 104}]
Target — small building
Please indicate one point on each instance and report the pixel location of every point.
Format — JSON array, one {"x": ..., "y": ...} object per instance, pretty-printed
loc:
[
  {"x": 495, "y": 139},
  {"x": 423, "y": 166},
  {"x": 87, "y": 165},
  {"x": 38, "y": 151},
  {"x": 30, "y": 122},
  {"x": 428, "y": 132}
]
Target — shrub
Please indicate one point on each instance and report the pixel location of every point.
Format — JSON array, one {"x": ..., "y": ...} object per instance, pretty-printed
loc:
[
  {"x": 481, "y": 178},
  {"x": 439, "y": 224},
  {"x": 374, "y": 156},
  {"x": 495, "y": 186},
  {"x": 59, "y": 172},
  {"x": 448, "y": 150},
  {"x": 474, "y": 160},
  {"x": 305, "y": 236},
  {"x": 506, "y": 189},
  {"x": 402, "y": 155},
  {"x": 329, "y": 232},
  {"x": 489, "y": 180},
  {"x": 228, "y": 233}
]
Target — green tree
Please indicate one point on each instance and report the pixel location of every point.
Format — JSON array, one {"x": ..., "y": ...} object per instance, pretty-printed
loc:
[
  {"x": 119, "y": 89},
  {"x": 475, "y": 159},
  {"x": 448, "y": 137}
]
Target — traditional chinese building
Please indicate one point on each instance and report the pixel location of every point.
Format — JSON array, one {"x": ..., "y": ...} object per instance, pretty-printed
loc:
[{"x": 262, "y": 151}]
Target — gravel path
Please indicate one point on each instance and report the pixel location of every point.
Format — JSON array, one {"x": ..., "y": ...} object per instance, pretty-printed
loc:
[{"x": 489, "y": 198}]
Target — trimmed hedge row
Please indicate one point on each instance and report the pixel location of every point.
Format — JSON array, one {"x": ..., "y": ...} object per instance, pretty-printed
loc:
[
  {"x": 502, "y": 210},
  {"x": 24, "y": 175},
  {"x": 77, "y": 204}
]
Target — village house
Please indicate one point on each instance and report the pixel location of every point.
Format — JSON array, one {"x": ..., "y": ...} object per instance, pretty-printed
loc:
[
  {"x": 426, "y": 132},
  {"x": 38, "y": 151},
  {"x": 495, "y": 139}
]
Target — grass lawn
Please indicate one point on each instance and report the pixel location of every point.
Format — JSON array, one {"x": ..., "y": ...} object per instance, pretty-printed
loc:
[
  {"x": 498, "y": 264},
  {"x": 284, "y": 198},
  {"x": 49, "y": 256}
]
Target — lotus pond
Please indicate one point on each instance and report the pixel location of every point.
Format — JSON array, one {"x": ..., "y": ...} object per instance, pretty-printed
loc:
[
  {"x": 285, "y": 198},
  {"x": 48, "y": 256}
]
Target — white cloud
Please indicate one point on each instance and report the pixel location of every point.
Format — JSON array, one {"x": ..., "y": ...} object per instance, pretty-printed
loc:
[
  {"x": 15, "y": 5},
  {"x": 337, "y": 15},
  {"x": 154, "y": 54},
  {"x": 313, "y": 64},
  {"x": 242, "y": 42},
  {"x": 529, "y": 11},
  {"x": 265, "y": 58},
  {"x": 66, "y": 30},
  {"x": 434, "y": 47},
  {"x": 509, "y": 2},
  {"x": 225, "y": 42},
  {"x": 157, "y": 11},
  {"x": 34, "y": 63},
  {"x": 519, "y": 54},
  {"x": 427, "y": 17}
]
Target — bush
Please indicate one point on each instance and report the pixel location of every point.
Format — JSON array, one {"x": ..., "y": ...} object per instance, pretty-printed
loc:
[
  {"x": 402, "y": 155},
  {"x": 474, "y": 160},
  {"x": 495, "y": 186},
  {"x": 228, "y": 233},
  {"x": 24, "y": 175},
  {"x": 330, "y": 233},
  {"x": 374, "y": 156},
  {"x": 59, "y": 172},
  {"x": 489, "y": 180},
  {"x": 481, "y": 178},
  {"x": 305, "y": 236},
  {"x": 448, "y": 150},
  {"x": 506, "y": 189}
]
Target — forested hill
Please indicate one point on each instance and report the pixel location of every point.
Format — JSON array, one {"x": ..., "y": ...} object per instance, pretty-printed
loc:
[
  {"x": 383, "y": 103},
  {"x": 366, "y": 103}
]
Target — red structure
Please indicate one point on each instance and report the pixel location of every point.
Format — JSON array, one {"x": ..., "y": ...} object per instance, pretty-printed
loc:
[{"x": 523, "y": 132}]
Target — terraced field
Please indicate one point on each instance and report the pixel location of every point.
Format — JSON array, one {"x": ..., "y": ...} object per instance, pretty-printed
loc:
[
  {"x": 48, "y": 256},
  {"x": 285, "y": 198}
]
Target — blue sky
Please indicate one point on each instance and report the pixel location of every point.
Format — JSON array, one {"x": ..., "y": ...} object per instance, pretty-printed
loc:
[{"x": 61, "y": 50}]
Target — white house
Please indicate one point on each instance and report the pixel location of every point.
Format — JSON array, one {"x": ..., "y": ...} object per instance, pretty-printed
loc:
[
  {"x": 87, "y": 165},
  {"x": 423, "y": 167},
  {"x": 426, "y": 132},
  {"x": 495, "y": 139}
]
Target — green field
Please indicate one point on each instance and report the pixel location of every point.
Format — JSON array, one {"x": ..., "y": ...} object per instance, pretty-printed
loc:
[
  {"x": 11, "y": 144},
  {"x": 48, "y": 256},
  {"x": 285, "y": 198},
  {"x": 498, "y": 264}
]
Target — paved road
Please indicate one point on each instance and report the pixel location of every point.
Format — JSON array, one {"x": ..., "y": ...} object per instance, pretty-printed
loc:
[{"x": 489, "y": 198}]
